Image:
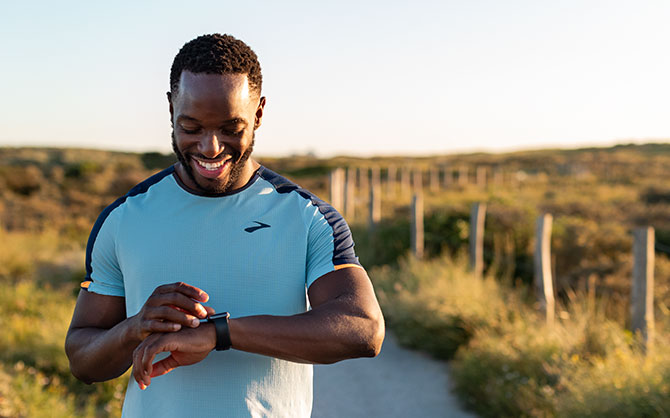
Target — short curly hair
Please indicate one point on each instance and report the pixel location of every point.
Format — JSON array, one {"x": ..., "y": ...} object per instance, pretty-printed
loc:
[{"x": 217, "y": 54}]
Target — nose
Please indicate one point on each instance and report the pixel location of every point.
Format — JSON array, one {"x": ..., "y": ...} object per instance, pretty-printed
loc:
[{"x": 210, "y": 146}]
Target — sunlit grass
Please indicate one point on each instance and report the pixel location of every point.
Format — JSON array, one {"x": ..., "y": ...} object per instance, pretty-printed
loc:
[
  {"x": 508, "y": 362},
  {"x": 37, "y": 300}
]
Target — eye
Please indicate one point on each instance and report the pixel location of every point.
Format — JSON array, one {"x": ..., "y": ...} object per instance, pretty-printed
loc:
[
  {"x": 228, "y": 132},
  {"x": 189, "y": 131}
]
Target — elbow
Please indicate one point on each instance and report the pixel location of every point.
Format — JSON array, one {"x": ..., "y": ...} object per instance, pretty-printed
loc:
[
  {"x": 374, "y": 336},
  {"x": 77, "y": 372},
  {"x": 81, "y": 377}
]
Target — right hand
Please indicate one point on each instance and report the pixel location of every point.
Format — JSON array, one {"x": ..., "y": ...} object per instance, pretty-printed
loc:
[{"x": 169, "y": 308}]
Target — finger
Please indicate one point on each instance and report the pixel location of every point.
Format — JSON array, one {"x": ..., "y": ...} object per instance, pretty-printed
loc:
[
  {"x": 168, "y": 314},
  {"x": 156, "y": 325},
  {"x": 210, "y": 310},
  {"x": 136, "y": 366},
  {"x": 164, "y": 366},
  {"x": 153, "y": 347},
  {"x": 186, "y": 289},
  {"x": 139, "y": 354},
  {"x": 177, "y": 300}
]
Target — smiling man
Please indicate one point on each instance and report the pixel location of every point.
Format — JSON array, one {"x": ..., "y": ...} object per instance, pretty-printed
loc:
[{"x": 231, "y": 276}]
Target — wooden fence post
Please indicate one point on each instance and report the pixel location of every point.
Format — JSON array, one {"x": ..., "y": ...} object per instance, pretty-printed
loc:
[
  {"x": 417, "y": 181},
  {"x": 404, "y": 181},
  {"x": 337, "y": 189},
  {"x": 642, "y": 303},
  {"x": 417, "y": 225},
  {"x": 543, "y": 281},
  {"x": 391, "y": 176},
  {"x": 481, "y": 176},
  {"x": 477, "y": 218},
  {"x": 375, "y": 198},
  {"x": 363, "y": 179},
  {"x": 448, "y": 176},
  {"x": 350, "y": 194},
  {"x": 462, "y": 176}
]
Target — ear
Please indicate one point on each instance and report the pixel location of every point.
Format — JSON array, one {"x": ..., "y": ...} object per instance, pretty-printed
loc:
[
  {"x": 169, "y": 97},
  {"x": 259, "y": 113}
]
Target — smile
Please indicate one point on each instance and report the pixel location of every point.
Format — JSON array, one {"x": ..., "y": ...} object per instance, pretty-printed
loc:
[{"x": 211, "y": 166}]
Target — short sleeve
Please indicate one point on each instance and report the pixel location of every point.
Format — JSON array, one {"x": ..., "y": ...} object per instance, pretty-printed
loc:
[
  {"x": 103, "y": 275},
  {"x": 330, "y": 245}
]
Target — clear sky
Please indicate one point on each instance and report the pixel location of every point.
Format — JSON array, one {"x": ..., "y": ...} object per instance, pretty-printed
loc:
[{"x": 348, "y": 77}]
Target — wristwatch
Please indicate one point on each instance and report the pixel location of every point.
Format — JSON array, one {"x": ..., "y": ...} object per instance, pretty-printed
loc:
[{"x": 220, "y": 322}]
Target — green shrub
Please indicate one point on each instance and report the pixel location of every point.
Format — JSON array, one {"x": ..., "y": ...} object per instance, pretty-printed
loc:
[{"x": 438, "y": 305}]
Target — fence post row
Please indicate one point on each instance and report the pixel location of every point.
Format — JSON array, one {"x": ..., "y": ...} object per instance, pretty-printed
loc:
[
  {"x": 350, "y": 194},
  {"x": 404, "y": 181},
  {"x": 543, "y": 281},
  {"x": 337, "y": 189},
  {"x": 447, "y": 179},
  {"x": 417, "y": 180},
  {"x": 417, "y": 225},
  {"x": 481, "y": 176},
  {"x": 375, "y": 199},
  {"x": 391, "y": 180},
  {"x": 463, "y": 176},
  {"x": 642, "y": 302},
  {"x": 477, "y": 218}
]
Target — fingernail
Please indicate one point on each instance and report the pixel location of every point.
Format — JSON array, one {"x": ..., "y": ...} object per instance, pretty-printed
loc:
[
  {"x": 204, "y": 296},
  {"x": 195, "y": 322}
]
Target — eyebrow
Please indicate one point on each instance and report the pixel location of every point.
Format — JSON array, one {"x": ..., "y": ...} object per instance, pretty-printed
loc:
[{"x": 227, "y": 122}]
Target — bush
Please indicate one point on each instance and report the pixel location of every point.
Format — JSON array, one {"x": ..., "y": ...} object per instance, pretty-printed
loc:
[{"x": 437, "y": 305}]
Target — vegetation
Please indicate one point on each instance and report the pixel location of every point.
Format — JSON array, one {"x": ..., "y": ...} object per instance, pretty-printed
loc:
[
  {"x": 39, "y": 277},
  {"x": 505, "y": 361}
]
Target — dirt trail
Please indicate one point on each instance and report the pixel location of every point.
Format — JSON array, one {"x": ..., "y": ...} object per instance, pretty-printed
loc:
[{"x": 397, "y": 383}]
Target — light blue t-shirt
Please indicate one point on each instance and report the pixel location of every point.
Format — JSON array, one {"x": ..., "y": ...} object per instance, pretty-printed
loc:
[{"x": 254, "y": 251}]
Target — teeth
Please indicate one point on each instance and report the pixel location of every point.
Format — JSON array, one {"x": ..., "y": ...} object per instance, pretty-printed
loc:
[{"x": 211, "y": 166}]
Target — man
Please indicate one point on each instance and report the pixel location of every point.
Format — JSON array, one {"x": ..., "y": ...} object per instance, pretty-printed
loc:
[{"x": 217, "y": 228}]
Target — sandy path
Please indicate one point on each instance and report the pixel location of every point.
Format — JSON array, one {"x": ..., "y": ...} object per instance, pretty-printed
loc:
[{"x": 397, "y": 383}]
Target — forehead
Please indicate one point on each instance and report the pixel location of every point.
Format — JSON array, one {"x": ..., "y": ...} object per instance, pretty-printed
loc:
[{"x": 212, "y": 92}]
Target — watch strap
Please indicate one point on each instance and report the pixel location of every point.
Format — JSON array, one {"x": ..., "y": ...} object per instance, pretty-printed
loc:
[{"x": 221, "y": 323}]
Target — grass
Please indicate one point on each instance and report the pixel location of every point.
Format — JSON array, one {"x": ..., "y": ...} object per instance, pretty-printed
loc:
[
  {"x": 507, "y": 362},
  {"x": 35, "y": 379}
]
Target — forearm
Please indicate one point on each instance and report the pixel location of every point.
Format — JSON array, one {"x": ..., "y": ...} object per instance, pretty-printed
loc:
[
  {"x": 98, "y": 354},
  {"x": 331, "y": 333}
]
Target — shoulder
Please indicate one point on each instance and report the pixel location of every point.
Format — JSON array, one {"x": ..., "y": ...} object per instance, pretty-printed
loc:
[
  {"x": 139, "y": 189},
  {"x": 284, "y": 186}
]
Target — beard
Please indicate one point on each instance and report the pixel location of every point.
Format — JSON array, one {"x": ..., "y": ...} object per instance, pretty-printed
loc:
[{"x": 238, "y": 160}]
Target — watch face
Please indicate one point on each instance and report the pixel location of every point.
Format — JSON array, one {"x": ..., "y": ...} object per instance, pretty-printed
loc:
[{"x": 220, "y": 315}]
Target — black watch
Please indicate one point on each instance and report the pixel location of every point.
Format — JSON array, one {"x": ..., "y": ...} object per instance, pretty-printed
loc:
[{"x": 220, "y": 322}]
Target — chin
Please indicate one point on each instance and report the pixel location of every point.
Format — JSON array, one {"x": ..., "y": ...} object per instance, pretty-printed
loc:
[{"x": 221, "y": 184}]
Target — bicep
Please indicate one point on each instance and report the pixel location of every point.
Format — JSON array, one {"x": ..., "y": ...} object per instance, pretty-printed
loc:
[
  {"x": 351, "y": 285},
  {"x": 98, "y": 311}
]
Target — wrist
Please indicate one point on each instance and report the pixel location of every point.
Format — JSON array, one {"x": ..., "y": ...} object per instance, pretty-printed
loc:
[
  {"x": 222, "y": 330},
  {"x": 131, "y": 332},
  {"x": 210, "y": 333}
]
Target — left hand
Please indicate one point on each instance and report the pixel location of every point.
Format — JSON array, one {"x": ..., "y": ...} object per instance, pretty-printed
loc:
[{"x": 187, "y": 346}]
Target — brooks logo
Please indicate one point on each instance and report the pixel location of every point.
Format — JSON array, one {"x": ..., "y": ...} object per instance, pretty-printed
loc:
[{"x": 256, "y": 228}]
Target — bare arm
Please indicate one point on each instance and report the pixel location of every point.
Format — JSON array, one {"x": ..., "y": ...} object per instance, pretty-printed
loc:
[
  {"x": 101, "y": 340},
  {"x": 345, "y": 322}
]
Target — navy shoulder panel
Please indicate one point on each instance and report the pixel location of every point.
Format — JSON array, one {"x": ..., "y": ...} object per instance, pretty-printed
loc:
[
  {"x": 138, "y": 189},
  {"x": 343, "y": 242}
]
